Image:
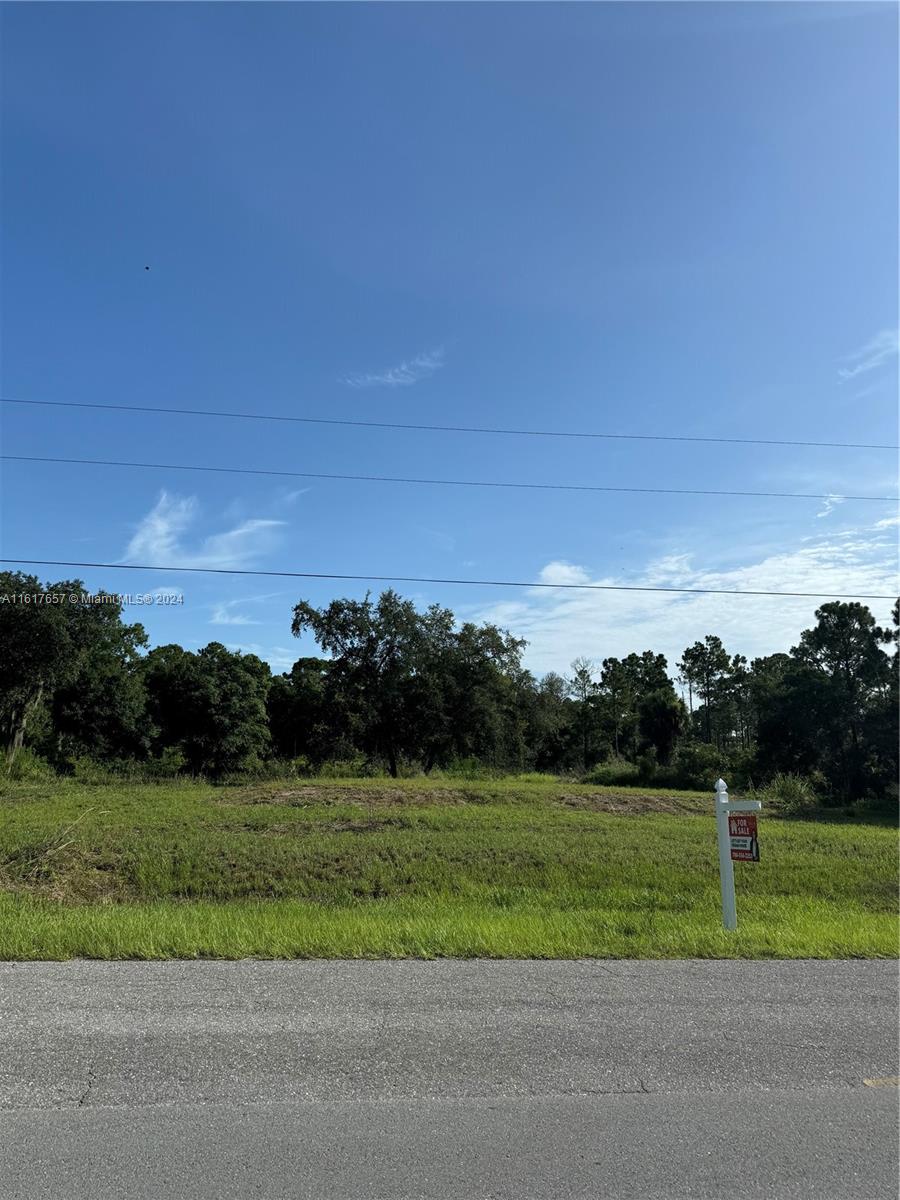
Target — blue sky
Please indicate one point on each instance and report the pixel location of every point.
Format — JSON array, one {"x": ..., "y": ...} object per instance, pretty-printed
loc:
[{"x": 627, "y": 218}]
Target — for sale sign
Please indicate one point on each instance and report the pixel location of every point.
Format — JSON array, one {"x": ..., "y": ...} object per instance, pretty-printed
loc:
[{"x": 742, "y": 832}]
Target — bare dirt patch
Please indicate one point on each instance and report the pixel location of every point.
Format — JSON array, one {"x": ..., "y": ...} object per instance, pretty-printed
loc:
[
  {"x": 315, "y": 795},
  {"x": 329, "y": 795},
  {"x": 631, "y": 805}
]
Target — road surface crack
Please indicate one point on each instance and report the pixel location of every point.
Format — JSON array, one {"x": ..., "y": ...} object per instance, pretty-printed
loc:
[
  {"x": 604, "y": 967},
  {"x": 91, "y": 1080}
]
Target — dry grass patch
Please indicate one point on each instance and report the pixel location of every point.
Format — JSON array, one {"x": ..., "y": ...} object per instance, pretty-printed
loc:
[
  {"x": 621, "y": 802},
  {"x": 317, "y": 795},
  {"x": 630, "y": 805}
]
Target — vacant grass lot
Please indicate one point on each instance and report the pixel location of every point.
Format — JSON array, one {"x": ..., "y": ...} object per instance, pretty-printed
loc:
[{"x": 369, "y": 868}]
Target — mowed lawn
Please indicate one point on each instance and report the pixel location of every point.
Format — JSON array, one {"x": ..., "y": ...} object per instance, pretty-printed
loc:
[{"x": 375, "y": 868}]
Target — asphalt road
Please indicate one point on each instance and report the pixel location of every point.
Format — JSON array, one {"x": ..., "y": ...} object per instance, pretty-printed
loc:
[{"x": 450, "y": 1080}]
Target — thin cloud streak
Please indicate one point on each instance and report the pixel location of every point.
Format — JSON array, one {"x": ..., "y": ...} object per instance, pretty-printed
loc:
[
  {"x": 160, "y": 537},
  {"x": 831, "y": 503},
  {"x": 279, "y": 658},
  {"x": 405, "y": 374},
  {"x": 875, "y": 353},
  {"x": 222, "y": 614}
]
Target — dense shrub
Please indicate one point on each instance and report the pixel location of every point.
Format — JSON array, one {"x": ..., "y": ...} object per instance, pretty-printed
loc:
[
  {"x": 27, "y": 765},
  {"x": 614, "y": 773},
  {"x": 792, "y": 794},
  {"x": 698, "y": 765},
  {"x": 466, "y": 768},
  {"x": 347, "y": 768}
]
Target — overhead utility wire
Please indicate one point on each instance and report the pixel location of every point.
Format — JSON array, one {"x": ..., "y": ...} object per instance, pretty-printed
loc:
[
  {"x": 559, "y": 433},
  {"x": 583, "y": 587},
  {"x": 476, "y": 483}
]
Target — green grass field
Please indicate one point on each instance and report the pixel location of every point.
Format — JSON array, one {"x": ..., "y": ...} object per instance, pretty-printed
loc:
[{"x": 374, "y": 868}]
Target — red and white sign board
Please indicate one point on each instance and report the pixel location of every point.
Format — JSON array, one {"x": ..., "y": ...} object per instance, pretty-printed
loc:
[{"x": 742, "y": 834}]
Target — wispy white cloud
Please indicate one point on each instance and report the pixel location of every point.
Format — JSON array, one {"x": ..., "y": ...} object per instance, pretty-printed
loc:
[
  {"x": 875, "y": 353},
  {"x": 560, "y": 625},
  {"x": 223, "y": 614},
  {"x": 289, "y": 498},
  {"x": 887, "y": 522},
  {"x": 403, "y": 375},
  {"x": 831, "y": 503},
  {"x": 279, "y": 658},
  {"x": 160, "y": 538}
]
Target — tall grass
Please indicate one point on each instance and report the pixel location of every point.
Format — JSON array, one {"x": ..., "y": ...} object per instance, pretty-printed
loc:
[{"x": 517, "y": 867}]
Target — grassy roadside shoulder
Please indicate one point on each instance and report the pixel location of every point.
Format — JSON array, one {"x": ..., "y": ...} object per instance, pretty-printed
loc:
[{"x": 370, "y": 868}]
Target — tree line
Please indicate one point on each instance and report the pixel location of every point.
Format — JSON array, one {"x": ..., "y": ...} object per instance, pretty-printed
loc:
[{"x": 398, "y": 690}]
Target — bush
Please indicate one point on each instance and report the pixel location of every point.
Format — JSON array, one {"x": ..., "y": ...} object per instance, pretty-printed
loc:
[
  {"x": 167, "y": 765},
  {"x": 301, "y": 767},
  {"x": 646, "y": 766},
  {"x": 84, "y": 770},
  {"x": 410, "y": 769},
  {"x": 698, "y": 765},
  {"x": 880, "y": 807},
  {"x": 614, "y": 773},
  {"x": 28, "y": 766},
  {"x": 741, "y": 770},
  {"x": 346, "y": 768},
  {"x": 466, "y": 768},
  {"x": 792, "y": 794}
]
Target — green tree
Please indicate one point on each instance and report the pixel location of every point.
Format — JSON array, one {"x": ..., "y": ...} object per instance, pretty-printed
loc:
[
  {"x": 880, "y": 731},
  {"x": 376, "y": 647},
  {"x": 843, "y": 652},
  {"x": 828, "y": 709},
  {"x": 72, "y": 656},
  {"x": 100, "y": 709},
  {"x": 551, "y": 725},
  {"x": 788, "y": 700},
  {"x": 624, "y": 683},
  {"x": 301, "y": 719},
  {"x": 739, "y": 701},
  {"x": 410, "y": 685},
  {"x": 661, "y": 718},
  {"x": 616, "y": 686},
  {"x": 707, "y": 667},
  {"x": 210, "y": 705},
  {"x": 584, "y": 692},
  {"x": 478, "y": 696}
]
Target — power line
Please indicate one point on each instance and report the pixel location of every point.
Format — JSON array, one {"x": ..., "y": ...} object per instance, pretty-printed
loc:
[
  {"x": 558, "y": 433},
  {"x": 476, "y": 483},
  {"x": 583, "y": 587}
]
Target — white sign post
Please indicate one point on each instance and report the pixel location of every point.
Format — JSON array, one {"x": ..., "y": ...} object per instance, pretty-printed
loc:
[{"x": 726, "y": 868}]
